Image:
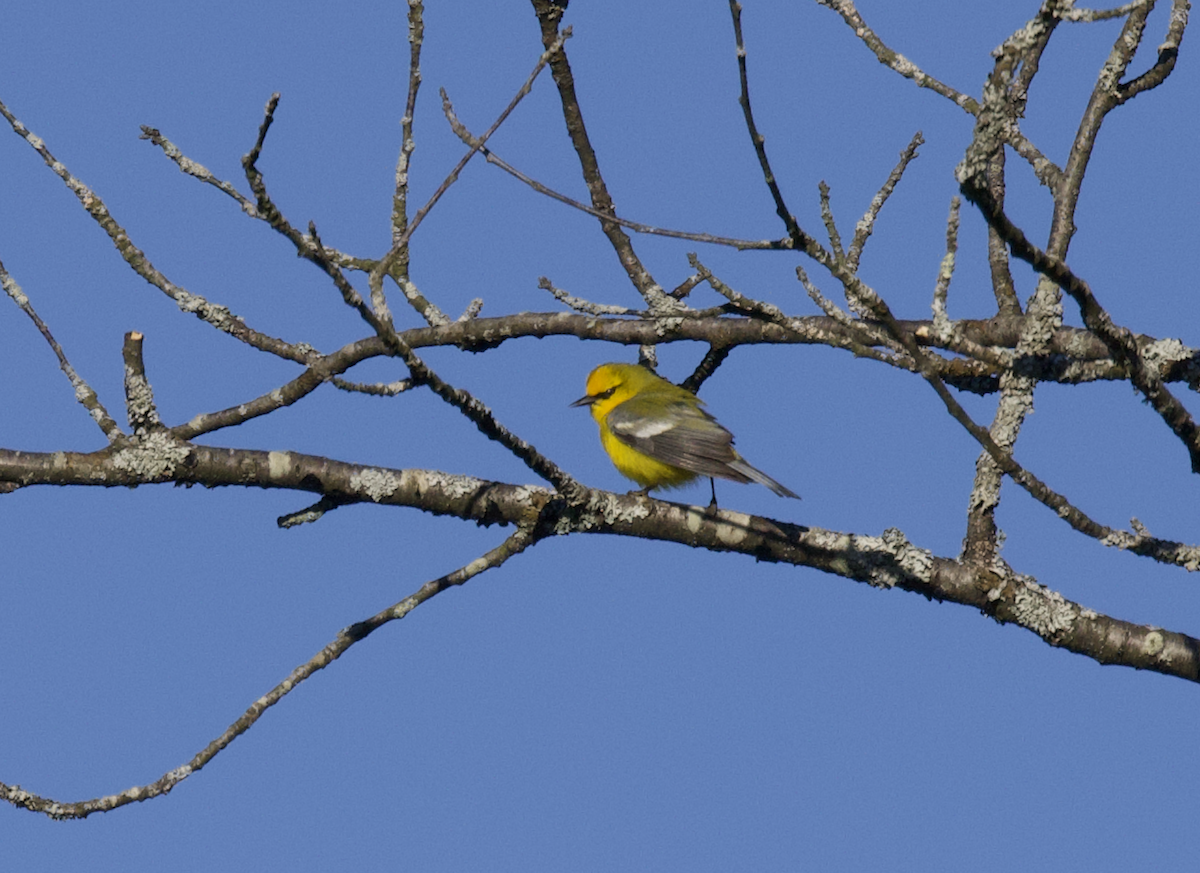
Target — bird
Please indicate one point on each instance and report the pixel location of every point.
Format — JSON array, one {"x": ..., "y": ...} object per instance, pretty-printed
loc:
[{"x": 659, "y": 434}]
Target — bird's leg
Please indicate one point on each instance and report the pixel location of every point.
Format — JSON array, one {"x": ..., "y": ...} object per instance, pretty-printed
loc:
[{"x": 712, "y": 507}]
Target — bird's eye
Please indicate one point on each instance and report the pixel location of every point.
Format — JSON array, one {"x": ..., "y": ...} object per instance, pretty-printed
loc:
[{"x": 604, "y": 395}]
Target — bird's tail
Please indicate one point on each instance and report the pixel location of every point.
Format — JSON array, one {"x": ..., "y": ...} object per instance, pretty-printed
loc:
[{"x": 756, "y": 475}]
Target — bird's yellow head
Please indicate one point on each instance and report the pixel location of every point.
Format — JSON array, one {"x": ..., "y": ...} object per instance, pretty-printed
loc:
[{"x": 612, "y": 384}]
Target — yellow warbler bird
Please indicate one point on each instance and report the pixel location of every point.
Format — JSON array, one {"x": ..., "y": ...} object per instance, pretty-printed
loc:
[{"x": 659, "y": 435}]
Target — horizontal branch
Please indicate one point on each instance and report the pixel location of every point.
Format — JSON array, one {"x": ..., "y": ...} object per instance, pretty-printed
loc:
[
  {"x": 1075, "y": 355},
  {"x": 889, "y": 561}
]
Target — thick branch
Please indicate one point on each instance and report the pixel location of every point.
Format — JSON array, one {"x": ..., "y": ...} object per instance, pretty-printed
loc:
[{"x": 885, "y": 562}]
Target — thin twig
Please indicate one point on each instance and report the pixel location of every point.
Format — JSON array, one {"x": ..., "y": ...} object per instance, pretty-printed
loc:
[
  {"x": 549, "y": 13},
  {"x": 421, "y": 374},
  {"x": 941, "y": 289},
  {"x": 196, "y": 170},
  {"x": 894, "y": 59},
  {"x": 794, "y": 232},
  {"x": 83, "y": 391},
  {"x": 713, "y": 359},
  {"x": 831, "y": 228},
  {"x": 473, "y": 309},
  {"x": 309, "y": 514},
  {"x": 309, "y": 247},
  {"x": 855, "y": 330},
  {"x": 249, "y": 207},
  {"x": 1105, "y": 97},
  {"x": 946, "y": 329},
  {"x": 400, "y": 242},
  {"x": 1168, "y": 53},
  {"x": 1165, "y": 552},
  {"x": 867, "y": 223},
  {"x": 581, "y": 305},
  {"x": 1003, "y": 287},
  {"x": 1069, "y": 12},
  {"x": 375, "y": 389},
  {"x": 416, "y": 38},
  {"x": 466, "y": 136}
]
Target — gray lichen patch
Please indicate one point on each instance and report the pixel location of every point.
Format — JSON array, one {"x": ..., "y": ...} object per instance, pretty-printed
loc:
[
  {"x": 602, "y": 509},
  {"x": 914, "y": 563},
  {"x": 1047, "y": 613},
  {"x": 376, "y": 484},
  {"x": 455, "y": 486},
  {"x": 153, "y": 458}
]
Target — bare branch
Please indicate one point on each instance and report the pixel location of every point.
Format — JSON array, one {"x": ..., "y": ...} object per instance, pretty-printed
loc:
[
  {"x": 473, "y": 309},
  {"x": 895, "y": 60},
  {"x": 867, "y": 223},
  {"x": 861, "y": 335},
  {"x": 198, "y": 171},
  {"x": 416, "y": 38},
  {"x": 886, "y": 562},
  {"x": 581, "y": 305},
  {"x": 1168, "y": 54},
  {"x": 713, "y": 359},
  {"x": 1005, "y": 291},
  {"x": 376, "y": 389},
  {"x": 218, "y": 316},
  {"x": 797, "y": 236},
  {"x": 1069, "y": 12},
  {"x": 516, "y": 543},
  {"x": 1119, "y": 340},
  {"x": 309, "y": 514},
  {"x": 637, "y": 227},
  {"x": 548, "y": 14},
  {"x": 1105, "y": 96},
  {"x": 831, "y": 228},
  {"x": 83, "y": 391},
  {"x": 400, "y": 242}
]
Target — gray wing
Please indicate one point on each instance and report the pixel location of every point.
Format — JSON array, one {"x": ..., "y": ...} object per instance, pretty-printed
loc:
[{"x": 676, "y": 433}]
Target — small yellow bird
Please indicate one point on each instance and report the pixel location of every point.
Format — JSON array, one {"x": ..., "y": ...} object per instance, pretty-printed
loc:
[{"x": 658, "y": 434}]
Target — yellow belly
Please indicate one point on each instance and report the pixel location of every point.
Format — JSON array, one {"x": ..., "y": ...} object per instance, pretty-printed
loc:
[{"x": 641, "y": 468}]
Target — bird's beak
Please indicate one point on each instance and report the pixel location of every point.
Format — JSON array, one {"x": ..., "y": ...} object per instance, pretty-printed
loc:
[{"x": 586, "y": 400}]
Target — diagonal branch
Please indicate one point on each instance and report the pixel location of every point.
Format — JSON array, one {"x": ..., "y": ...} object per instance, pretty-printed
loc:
[
  {"x": 1119, "y": 340},
  {"x": 83, "y": 391},
  {"x": 218, "y": 316},
  {"x": 797, "y": 236},
  {"x": 554, "y": 49},
  {"x": 894, "y": 59},
  {"x": 517, "y": 542},
  {"x": 866, "y": 224},
  {"x": 466, "y": 136},
  {"x": 549, "y": 13}
]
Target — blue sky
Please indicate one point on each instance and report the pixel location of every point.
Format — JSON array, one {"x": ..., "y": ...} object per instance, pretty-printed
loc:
[{"x": 596, "y": 703}]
